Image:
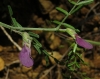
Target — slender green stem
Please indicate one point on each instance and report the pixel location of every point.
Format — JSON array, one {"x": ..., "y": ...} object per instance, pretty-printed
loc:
[
  {"x": 23, "y": 28},
  {"x": 77, "y": 8},
  {"x": 70, "y": 12},
  {"x": 43, "y": 29},
  {"x": 18, "y": 32},
  {"x": 93, "y": 42}
]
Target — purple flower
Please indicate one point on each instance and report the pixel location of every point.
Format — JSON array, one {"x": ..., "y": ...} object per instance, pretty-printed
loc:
[
  {"x": 25, "y": 56},
  {"x": 81, "y": 42}
]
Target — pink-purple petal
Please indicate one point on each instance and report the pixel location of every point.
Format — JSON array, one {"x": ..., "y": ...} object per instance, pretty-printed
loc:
[
  {"x": 25, "y": 57},
  {"x": 81, "y": 42}
]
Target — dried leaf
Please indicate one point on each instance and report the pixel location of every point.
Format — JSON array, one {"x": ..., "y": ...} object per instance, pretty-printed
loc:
[
  {"x": 1, "y": 48},
  {"x": 1, "y": 64},
  {"x": 56, "y": 55}
]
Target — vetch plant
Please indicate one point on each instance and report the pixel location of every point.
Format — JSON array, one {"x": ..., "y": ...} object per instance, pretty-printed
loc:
[{"x": 31, "y": 39}]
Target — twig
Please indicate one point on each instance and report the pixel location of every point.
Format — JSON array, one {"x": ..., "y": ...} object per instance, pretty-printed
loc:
[
  {"x": 76, "y": 75},
  {"x": 7, "y": 74},
  {"x": 10, "y": 38},
  {"x": 92, "y": 8},
  {"x": 46, "y": 72},
  {"x": 13, "y": 62}
]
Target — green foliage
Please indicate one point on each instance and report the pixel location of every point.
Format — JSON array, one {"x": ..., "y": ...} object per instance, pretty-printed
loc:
[
  {"x": 72, "y": 62},
  {"x": 14, "y": 22},
  {"x": 85, "y": 2},
  {"x": 33, "y": 34},
  {"x": 47, "y": 60},
  {"x": 65, "y": 25},
  {"x": 62, "y": 10},
  {"x": 75, "y": 47}
]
